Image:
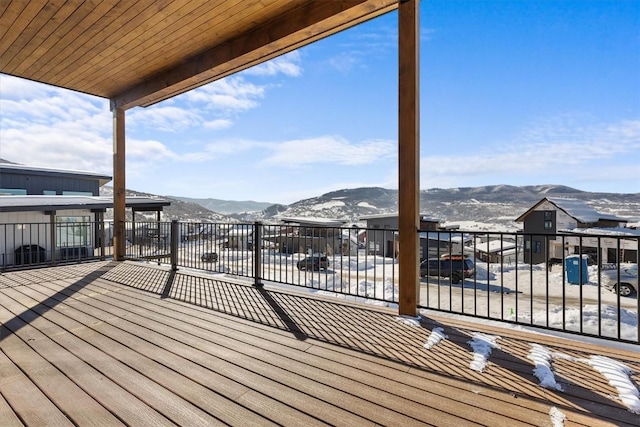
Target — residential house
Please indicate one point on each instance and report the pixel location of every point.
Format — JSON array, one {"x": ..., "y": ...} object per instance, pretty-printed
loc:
[
  {"x": 382, "y": 237},
  {"x": 547, "y": 224},
  {"x": 49, "y": 215},
  {"x": 317, "y": 235}
]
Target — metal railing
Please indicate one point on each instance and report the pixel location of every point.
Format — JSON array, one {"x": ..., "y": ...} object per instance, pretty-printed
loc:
[
  {"x": 583, "y": 284},
  {"x": 38, "y": 244},
  {"x": 577, "y": 283}
]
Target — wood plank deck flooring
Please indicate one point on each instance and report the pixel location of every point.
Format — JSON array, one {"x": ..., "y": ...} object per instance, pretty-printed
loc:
[{"x": 134, "y": 344}]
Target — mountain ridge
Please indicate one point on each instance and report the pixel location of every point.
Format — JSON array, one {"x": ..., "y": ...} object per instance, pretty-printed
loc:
[{"x": 495, "y": 204}]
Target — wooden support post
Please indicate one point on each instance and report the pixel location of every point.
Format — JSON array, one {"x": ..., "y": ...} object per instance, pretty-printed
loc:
[
  {"x": 408, "y": 156},
  {"x": 119, "y": 192}
]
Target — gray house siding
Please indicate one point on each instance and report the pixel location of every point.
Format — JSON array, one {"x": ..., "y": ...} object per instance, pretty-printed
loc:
[
  {"x": 36, "y": 184},
  {"x": 536, "y": 236}
]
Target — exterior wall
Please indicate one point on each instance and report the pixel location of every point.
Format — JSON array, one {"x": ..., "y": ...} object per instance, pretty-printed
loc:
[
  {"x": 381, "y": 237},
  {"x": 36, "y": 184},
  {"x": 562, "y": 221},
  {"x": 608, "y": 248},
  {"x": 540, "y": 247},
  {"x": 385, "y": 222},
  {"x": 310, "y": 245}
]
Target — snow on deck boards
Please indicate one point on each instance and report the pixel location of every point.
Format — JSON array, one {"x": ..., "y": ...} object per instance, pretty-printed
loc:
[{"x": 134, "y": 344}]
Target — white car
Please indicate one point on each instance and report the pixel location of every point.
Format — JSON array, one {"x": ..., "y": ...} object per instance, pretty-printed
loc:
[{"x": 626, "y": 285}]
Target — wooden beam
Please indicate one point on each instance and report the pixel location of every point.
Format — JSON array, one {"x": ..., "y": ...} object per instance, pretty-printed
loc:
[
  {"x": 119, "y": 192},
  {"x": 408, "y": 156},
  {"x": 311, "y": 21}
]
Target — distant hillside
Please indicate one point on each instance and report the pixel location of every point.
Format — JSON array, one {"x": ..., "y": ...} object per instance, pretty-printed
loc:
[
  {"x": 226, "y": 206},
  {"x": 497, "y": 204},
  {"x": 180, "y": 210}
]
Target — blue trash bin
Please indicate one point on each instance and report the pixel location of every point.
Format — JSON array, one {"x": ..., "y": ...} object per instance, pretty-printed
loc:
[{"x": 574, "y": 266}]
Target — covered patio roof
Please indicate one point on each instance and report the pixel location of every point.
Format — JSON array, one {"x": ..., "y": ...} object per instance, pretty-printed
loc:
[{"x": 137, "y": 53}]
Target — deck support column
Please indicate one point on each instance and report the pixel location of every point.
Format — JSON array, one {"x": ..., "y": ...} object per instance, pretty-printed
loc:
[
  {"x": 119, "y": 191},
  {"x": 408, "y": 156}
]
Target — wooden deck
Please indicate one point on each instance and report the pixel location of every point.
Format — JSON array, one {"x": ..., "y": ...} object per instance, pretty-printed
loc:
[{"x": 132, "y": 344}]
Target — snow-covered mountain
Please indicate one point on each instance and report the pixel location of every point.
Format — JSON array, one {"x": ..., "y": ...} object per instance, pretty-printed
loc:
[
  {"x": 487, "y": 206},
  {"x": 500, "y": 204},
  {"x": 180, "y": 210}
]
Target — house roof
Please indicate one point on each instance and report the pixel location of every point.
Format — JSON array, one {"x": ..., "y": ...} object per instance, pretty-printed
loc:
[
  {"x": 325, "y": 222},
  {"x": 444, "y": 236},
  {"x": 52, "y": 203},
  {"x": 50, "y": 172},
  {"x": 606, "y": 231},
  {"x": 577, "y": 209},
  {"x": 495, "y": 246},
  {"x": 137, "y": 53},
  {"x": 423, "y": 217}
]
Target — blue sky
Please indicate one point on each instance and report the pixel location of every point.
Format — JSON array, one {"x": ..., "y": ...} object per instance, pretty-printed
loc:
[{"x": 512, "y": 92}]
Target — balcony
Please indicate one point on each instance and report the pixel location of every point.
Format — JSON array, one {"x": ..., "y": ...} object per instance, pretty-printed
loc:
[{"x": 139, "y": 344}]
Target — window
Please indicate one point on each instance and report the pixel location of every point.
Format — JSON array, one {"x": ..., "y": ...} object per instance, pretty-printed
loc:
[
  {"x": 548, "y": 215},
  {"x": 72, "y": 231},
  {"x": 13, "y": 191},
  {"x": 537, "y": 246},
  {"x": 548, "y": 220},
  {"x": 49, "y": 192},
  {"x": 77, "y": 193}
]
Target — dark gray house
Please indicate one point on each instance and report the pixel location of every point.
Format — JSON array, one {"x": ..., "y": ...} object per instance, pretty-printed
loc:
[
  {"x": 382, "y": 237},
  {"x": 25, "y": 180},
  {"x": 548, "y": 221}
]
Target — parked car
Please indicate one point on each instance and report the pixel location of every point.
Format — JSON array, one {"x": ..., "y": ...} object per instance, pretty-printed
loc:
[
  {"x": 209, "y": 257},
  {"x": 313, "y": 263},
  {"x": 626, "y": 285},
  {"x": 457, "y": 267}
]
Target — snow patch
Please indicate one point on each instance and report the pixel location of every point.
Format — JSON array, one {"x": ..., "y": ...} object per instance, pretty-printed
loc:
[
  {"x": 482, "y": 344},
  {"x": 327, "y": 205},
  {"x": 618, "y": 375},
  {"x": 366, "y": 205},
  {"x": 542, "y": 357},
  {"x": 435, "y": 337},
  {"x": 408, "y": 320},
  {"x": 557, "y": 417}
]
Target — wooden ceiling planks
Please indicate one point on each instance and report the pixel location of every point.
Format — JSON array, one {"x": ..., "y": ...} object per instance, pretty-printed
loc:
[
  {"x": 140, "y": 52},
  {"x": 115, "y": 23},
  {"x": 67, "y": 40},
  {"x": 46, "y": 38},
  {"x": 115, "y": 47},
  {"x": 170, "y": 41},
  {"x": 15, "y": 19}
]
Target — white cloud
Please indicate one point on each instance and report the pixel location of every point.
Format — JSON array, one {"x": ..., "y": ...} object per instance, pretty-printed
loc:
[
  {"x": 287, "y": 64},
  {"x": 557, "y": 147},
  {"x": 219, "y": 149},
  {"x": 218, "y": 124},
  {"x": 328, "y": 149},
  {"x": 16, "y": 88},
  {"x": 39, "y": 145},
  {"x": 149, "y": 150},
  {"x": 226, "y": 96},
  {"x": 346, "y": 61},
  {"x": 163, "y": 118},
  {"x": 46, "y": 126}
]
